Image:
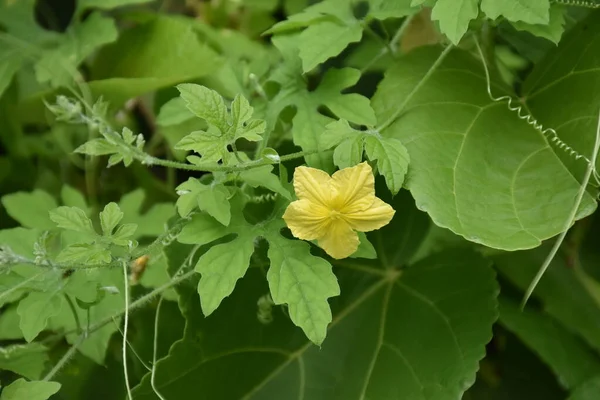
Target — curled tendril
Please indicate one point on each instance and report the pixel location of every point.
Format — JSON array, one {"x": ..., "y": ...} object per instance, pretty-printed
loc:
[
  {"x": 549, "y": 133},
  {"x": 578, "y": 3}
]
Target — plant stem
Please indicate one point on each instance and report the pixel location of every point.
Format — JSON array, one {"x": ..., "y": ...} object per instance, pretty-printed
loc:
[
  {"x": 155, "y": 349},
  {"x": 125, "y": 327},
  {"x": 65, "y": 358},
  {"x": 571, "y": 218},
  {"x": 74, "y": 311},
  {"x": 418, "y": 86}
]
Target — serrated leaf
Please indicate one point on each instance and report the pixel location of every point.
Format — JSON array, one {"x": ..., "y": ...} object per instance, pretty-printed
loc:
[
  {"x": 309, "y": 123},
  {"x": 528, "y": 11},
  {"x": 221, "y": 267},
  {"x": 303, "y": 282},
  {"x": 150, "y": 223},
  {"x": 324, "y": 40},
  {"x": 202, "y": 229},
  {"x": 28, "y": 360},
  {"x": 552, "y": 30},
  {"x": 110, "y": 218},
  {"x": 85, "y": 254},
  {"x": 72, "y": 218},
  {"x": 29, "y": 390},
  {"x": 472, "y": 171},
  {"x": 454, "y": 16},
  {"x": 205, "y": 103},
  {"x": 335, "y": 133},
  {"x": 392, "y": 160},
  {"x": 30, "y": 209},
  {"x": 35, "y": 310}
]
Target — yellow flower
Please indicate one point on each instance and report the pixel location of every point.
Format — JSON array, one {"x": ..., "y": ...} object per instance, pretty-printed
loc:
[{"x": 331, "y": 209}]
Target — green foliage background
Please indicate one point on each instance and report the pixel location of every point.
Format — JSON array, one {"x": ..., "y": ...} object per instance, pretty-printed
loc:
[{"x": 146, "y": 156}]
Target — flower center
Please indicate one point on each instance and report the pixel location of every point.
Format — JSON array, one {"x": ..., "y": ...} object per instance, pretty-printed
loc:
[{"x": 335, "y": 214}]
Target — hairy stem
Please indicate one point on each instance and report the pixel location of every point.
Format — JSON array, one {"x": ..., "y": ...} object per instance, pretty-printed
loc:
[{"x": 65, "y": 358}]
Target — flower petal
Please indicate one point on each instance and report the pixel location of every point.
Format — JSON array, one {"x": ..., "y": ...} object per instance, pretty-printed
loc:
[
  {"x": 340, "y": 241},
  {"x": 376, "y": 216},
  {"x": 314, "y": 185},
  {"x": 355, "y": 188},
  {"x": 307, "y": 220}
]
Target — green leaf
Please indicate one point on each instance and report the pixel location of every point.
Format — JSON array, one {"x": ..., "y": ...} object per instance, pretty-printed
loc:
[
  {"x": 392, "y": 160},
  {"x": 29, "y": 390},
  {"x": 213, "y": 199},
  {"x": 324, "y": 40},
  {"x": 210, "y": 145},
  {"x": 552, "y": 30},
  {"x": 528, "y": 11},
  {"x": 202, "y": 229},
  {"x": 365, "y": 248},
  {"x": 454, "y": 16},
  {"x": 303, "y": 282},
  {"x": 173, "y": 112},
  {"x": 395, "y": 336},
  {"x": 472, "y": 171},
  {"x": 568, "y": 356},
  {"x": 85, "y": 254},
  {"x": 59, "y": 65},
  {"x": 569, "y": 71},
  {"x": 110, "y": 217},
  {"x": 309, "y": 123},
  {"x": 35, "y": 310},
  {"x": 221, "y": 267},
  {"x": 589, "y": 390},
  {"x": 10, "y": 62},
  {"x": 97, "y": 147},
  {"x": 205, "y": 103},
  {"x": 383, "y": 9},
  {"x": 336, "y": 132},
  {"x": 28, "y": 360},
  {"x": 123, "y": 234},
  {"x": 262, "y": 176},
  {"x": 73, "y": 198},
  {"x": 349, "y": 152},
  {"x": 73, "y": 219},
  {"x": 30, "y": 209}
]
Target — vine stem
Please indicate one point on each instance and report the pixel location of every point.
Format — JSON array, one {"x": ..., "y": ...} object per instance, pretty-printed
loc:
[
  {"x": 125, "y": 327},
  {"x": 224, "y": 168},
  {"x": 155, "y": 349},
  {"x": 572, "y": 214},
  {"x": 418, "y": 86},
  {"x": 65, "y": 358}
]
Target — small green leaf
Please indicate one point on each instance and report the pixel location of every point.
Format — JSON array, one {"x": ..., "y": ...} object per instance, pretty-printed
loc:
[
  {"x": 96, "y": 147},
  {"x": 202, "y": 229},
  {"x": 210, "y": 145},
  {"x": 324, "y": 40},
  {"x": 221, "y": 267},
  {"x": 110, "y": 217},
  {"x": 214, "y": 199},
  {"x": 262, "y": 176},
  {"x": 72, "y": 218},
  {"x": 303, "y": 282},
  {"x": 528, "y": 11},
  {"x": 11, "y": 61},
  {"x": 335, "y": 133},
  {"x": 173, "y": 112},
  {"x": 32, "y": 390},
  {"x": 392, "y": 159},
  {"x": 35, "y": 310},
  {"x": 73, "y": 198},
  {"x": 85, "y": 254},
  {"x": 204, "y": 103},
  {"x": 124, "y": 233},
  {"x": 348, "y": 153},
  {"x": 152, "y": 222},
  {"x": 454, "y": 16},
  {"x": 383, "y": 9},
  {"x": 30, "y": 209},
  {"x": 28, "y": 360}
]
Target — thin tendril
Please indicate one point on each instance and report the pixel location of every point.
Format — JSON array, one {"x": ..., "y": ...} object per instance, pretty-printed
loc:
[
  {"x": 155, "y": 349},
  {"x": 572, "y": 214},
  {"x": 549, "y": 133}
]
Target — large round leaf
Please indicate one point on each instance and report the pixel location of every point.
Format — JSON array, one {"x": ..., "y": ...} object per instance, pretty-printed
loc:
[{"x": 476, "y": 168}]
